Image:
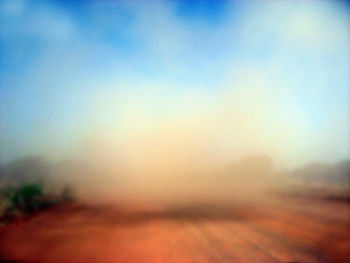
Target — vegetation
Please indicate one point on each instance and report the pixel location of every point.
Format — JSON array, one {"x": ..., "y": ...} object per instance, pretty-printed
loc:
[{"x": 21, "y": 200}]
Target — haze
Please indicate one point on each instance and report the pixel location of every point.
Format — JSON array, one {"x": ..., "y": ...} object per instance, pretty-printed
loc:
[{"x": 158, "y": 98}]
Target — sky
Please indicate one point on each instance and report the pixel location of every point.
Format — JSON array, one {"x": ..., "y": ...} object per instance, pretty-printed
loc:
[{"x": 171, "y": 83}]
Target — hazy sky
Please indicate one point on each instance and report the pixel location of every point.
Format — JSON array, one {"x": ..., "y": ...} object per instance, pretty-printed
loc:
[{"x": 192, "y": 81}]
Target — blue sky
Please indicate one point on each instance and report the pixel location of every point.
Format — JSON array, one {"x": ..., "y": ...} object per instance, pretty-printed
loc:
[{"x": 251, "y": 76}]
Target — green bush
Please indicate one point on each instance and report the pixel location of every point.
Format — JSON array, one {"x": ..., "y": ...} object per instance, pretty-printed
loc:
[
  {"x": 21, "y": 199},
  {"x": 17, "y": 201},
  {"x": 27, "y": 197}
]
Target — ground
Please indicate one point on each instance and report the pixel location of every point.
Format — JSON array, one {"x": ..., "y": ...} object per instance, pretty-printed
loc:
[{"x": 290, "y": 230}]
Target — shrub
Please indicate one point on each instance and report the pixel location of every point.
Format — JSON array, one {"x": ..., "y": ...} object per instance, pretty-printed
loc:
[
  {"x": 19, "y": 200},
  {"x": 27, "y": 197}
]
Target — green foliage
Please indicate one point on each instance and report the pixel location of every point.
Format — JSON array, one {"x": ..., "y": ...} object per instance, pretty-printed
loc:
[
  {"x": 23, "y": 199},
  {"x": 17, "y": 201},
  {"x": 27, "y": 197}
]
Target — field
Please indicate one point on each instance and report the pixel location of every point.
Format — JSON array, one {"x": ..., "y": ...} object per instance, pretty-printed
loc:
[{"x": 289, "y": 229}]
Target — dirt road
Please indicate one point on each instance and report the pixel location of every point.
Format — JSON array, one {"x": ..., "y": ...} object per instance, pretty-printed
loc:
[{"x": 302, "y": 231}]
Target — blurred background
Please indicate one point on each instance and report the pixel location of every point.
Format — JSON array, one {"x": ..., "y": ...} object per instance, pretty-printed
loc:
[
  {"x": 156, "y": 104},
  {"x": 146, "y": 96}
]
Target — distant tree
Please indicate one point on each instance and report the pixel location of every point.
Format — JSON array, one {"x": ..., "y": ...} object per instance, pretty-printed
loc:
[
  {"x": 323, "y": 173},
  {"x": 67, "y": 194},
  {"x": 342, "y": 170}
]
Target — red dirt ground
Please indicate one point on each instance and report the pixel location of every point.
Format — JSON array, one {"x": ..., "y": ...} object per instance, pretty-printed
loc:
[{"x": 295, "y": 230}]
